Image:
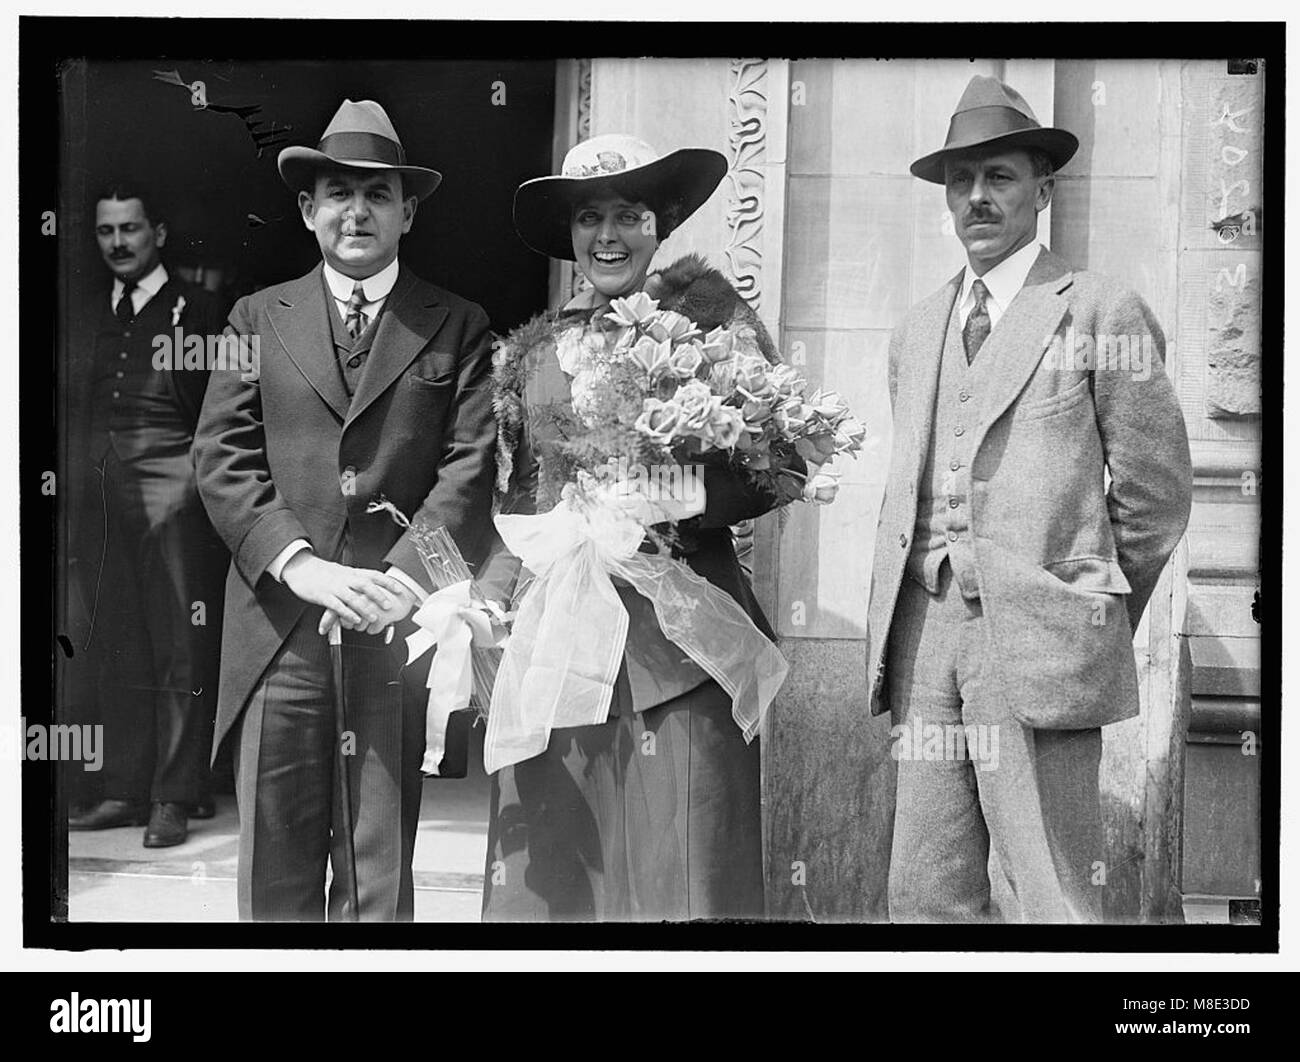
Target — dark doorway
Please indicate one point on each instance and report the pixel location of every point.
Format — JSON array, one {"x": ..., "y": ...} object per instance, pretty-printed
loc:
[{"x": 486, "y": 125}]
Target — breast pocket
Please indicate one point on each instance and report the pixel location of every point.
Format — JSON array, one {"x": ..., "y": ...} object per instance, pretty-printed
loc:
[{"x": 1061, "y": 402}]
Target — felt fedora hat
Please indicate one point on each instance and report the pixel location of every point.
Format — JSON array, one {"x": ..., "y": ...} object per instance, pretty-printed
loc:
[
  {"x": 991, "y": 114},
  {"x": 676, "y": 184},
  {"x": 359, "y": 137}
]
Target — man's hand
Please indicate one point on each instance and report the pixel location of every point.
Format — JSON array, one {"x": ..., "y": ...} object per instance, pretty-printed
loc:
[{"x": 357, "y": 598}]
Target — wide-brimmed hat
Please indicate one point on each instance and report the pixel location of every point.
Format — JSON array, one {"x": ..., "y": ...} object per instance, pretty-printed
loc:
[
  {"x": 993, "y": 114},
  {"x": 677, "y": 184},
  {"x": 359, "y": 137}
]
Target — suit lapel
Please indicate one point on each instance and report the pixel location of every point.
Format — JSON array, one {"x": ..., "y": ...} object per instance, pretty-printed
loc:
[
  {"x": 918, "y": 375},
  {"x": 410, "y": 319},
  {"x": 303, "y": 329},
  {"x": 1015, "y": 347}
]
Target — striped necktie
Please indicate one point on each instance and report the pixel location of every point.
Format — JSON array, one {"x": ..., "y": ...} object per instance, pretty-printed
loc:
[
  {"x": 355, "y": 320},
  {"x": 977, "y": 324}
]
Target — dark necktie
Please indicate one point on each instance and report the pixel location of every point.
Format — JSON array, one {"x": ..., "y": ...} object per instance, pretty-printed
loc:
[
  {"x": 125, "y": 308},
  {"x": 977, "y": 324},
  {"x": 355, "y": 321}
]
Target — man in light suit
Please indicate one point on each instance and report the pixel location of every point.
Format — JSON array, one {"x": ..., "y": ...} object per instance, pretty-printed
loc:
[
  {"x": 1009, "y": 574},
  {"x": 371, "y": 383}
]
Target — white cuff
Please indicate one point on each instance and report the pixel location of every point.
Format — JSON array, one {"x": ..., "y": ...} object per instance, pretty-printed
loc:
[
  {"x": 276, "y": 567},
  {"x": 415, "y": 588}
]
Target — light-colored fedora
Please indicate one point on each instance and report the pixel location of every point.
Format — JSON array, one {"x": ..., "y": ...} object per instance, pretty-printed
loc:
[
  {"x": 359, "y": 137},
  {"x": 991, "y": 114},
  {"x": 677, "y": 184}
]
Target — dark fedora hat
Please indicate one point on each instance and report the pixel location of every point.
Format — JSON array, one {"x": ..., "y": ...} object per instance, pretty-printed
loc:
[
  {"x": 678, "y": 184},
  {"x": 991, "y": 114},
  {"x": 359, "y": 137}
]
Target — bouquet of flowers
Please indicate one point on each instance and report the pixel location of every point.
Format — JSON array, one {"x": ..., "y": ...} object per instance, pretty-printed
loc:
[
  {"x": 650, "y": 388},
  {"x": 648, "y": 394}
]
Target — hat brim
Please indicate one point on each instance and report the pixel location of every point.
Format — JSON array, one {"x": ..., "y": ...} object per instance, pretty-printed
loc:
[
  {"x": 684, "y": 178},
  {"x": 297, "y": 166},
  {"x": 1059, "y": 144}
]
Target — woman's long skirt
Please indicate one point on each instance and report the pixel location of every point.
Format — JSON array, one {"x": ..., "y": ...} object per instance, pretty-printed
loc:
[{"x": 650, "y": 816}]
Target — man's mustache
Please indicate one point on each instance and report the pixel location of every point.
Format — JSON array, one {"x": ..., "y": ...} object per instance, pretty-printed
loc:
[
  {"x": 979, "y": 218},
  {"x": 117, "y": 256}
]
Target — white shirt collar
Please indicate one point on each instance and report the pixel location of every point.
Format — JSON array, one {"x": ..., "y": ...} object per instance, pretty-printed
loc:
[
  {"x": 375, "y": 287},
  {"x": 1004, "y": 280},
  {"x": 151, "y": 283}
]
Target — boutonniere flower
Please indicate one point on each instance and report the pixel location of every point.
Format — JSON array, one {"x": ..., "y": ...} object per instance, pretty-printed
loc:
[{"x": 176, "y": 310}]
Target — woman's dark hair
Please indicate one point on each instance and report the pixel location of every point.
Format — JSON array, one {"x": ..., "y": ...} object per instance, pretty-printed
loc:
[{"x": 667, "y": 212}]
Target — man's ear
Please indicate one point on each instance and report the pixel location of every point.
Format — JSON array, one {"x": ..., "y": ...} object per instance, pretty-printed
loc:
[
  {"x": 160, "y": 234},
  {"x": 307, "y": 204},
  {"x": 1046, "y": 187},
  {"x": 408, "y": 212}
]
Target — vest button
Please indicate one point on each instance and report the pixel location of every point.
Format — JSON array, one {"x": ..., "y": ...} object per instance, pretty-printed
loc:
[
  {"x": 119, "y": 374},
  {"x": 952, "y": 536},
  {"x": 953, "y": 503},
  {"x": 963, "y": 395},
  {"x": 117, "y": 394},
  {"x": 954, "y": 464},
  {"x": 122, "y": 355},
  {"x": 959, "y": 430},
  {"x": 126, "y": 335}
]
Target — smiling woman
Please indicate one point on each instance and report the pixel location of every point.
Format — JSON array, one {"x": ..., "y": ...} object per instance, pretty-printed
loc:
[
  {"x": 613, "y": 242},
  {"x": 652, "y": 813}
]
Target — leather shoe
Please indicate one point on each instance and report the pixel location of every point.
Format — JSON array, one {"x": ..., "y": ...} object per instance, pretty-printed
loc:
[
  {"x": 204, "y": 809},
  {"x": 167, "y": 826},
  {"x": 107, "y": 814}
]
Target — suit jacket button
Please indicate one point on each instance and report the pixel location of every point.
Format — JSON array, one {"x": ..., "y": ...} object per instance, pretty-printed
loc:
[
  {"x": 354, "y": 361},
  {"x": 902, "y": 541}
]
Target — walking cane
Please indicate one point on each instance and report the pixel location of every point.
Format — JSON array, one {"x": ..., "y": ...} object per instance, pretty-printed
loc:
[{"x": 343, "y": 783}]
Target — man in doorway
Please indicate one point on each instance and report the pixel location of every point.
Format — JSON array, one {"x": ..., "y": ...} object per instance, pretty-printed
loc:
[
  {"x": 373, "y": 383},
  {"x": 1010, "y": 572},
  {"x": 149, "y": 564}
]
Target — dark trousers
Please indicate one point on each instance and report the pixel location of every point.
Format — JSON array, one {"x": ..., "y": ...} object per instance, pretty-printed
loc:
[
  {"x": 1032, "y": 794},
  {"x": 284, "y": 748},
  {"x": 154, "y": 571}
]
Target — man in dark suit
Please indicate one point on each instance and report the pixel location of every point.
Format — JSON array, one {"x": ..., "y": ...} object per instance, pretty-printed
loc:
[
  {"x": 1039, "y": 481},
  {"x": 372, "y": 383},
  {"x": 149, "y": 564}
]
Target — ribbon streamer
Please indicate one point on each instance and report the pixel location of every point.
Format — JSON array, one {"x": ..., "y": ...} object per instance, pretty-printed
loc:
[
  {"x": 566, "y": 647},
  {"x": 455, "y": 622}
]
